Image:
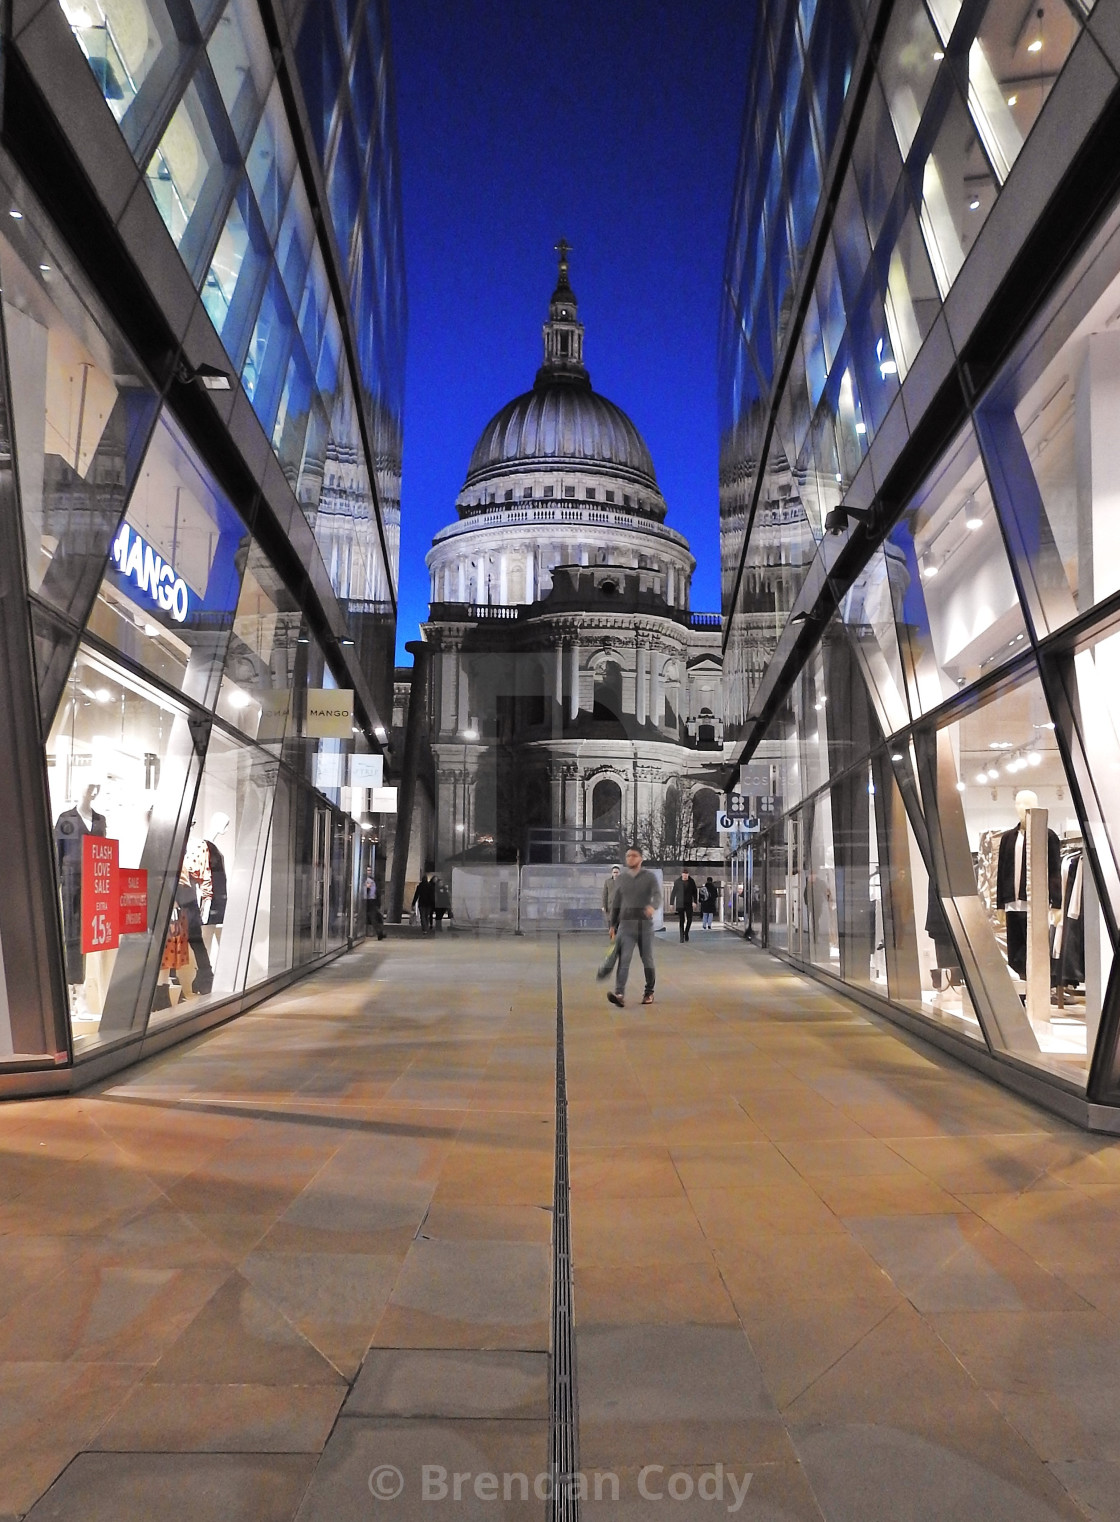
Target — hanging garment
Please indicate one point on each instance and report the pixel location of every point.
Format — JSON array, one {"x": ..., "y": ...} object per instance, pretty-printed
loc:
[
  {"x": 69, "y": 829},
  {"x": 1069, "y": 948},
  {"x": 219, "y": 890},
  {"x": 1011, "y": 869}
]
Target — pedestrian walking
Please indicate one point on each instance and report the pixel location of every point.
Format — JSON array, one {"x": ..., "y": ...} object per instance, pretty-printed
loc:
[
  {"x": 709, "y": 899},
  {"x": 441, "y": 901},
  {"x": 609, "y": 885},
  {"x": 637, "y": 899},
  {"x": 424, "y": 901},
  {"x": 374, "y": 917},
  {"x": 683, "y": 898}
]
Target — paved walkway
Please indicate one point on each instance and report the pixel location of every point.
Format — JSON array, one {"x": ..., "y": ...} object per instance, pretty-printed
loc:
[{"x": 244, "y": 1281}]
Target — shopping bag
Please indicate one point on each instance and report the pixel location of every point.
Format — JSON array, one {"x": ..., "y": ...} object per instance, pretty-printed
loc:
[{"x": 606, "y": 966}]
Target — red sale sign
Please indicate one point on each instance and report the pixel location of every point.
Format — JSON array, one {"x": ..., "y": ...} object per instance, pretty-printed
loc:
[
  {"x": 133, "y": 900},
  {"x": 101, "y": 903}
]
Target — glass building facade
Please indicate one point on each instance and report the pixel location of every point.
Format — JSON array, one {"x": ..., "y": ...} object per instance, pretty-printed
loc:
[
  {"x": 920, "y": 374},
  {"x": 202, "y": 329}
]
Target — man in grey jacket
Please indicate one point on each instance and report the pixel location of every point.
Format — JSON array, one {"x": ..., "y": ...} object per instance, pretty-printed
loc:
[{"x": 636, "y": 900}]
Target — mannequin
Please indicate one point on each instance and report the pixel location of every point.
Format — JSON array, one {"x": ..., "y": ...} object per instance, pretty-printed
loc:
[
  {"x": 193, "y": 880},
  {"x": 69, "y": 828},
  {"x": 212, "y": 904},
  {"x": 1011, "y": 880}
]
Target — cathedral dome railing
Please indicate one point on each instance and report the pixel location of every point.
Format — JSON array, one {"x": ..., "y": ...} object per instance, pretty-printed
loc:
[{"x": 502, "y": 516}]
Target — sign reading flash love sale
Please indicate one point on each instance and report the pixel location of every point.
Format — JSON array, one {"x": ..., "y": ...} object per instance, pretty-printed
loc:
[
  {"x": 101, "y": 899},
  {"x": 330, "y": 713}
]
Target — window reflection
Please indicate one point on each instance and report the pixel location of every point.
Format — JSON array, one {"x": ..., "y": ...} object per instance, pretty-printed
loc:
[
  {"x": 1012, "y": 67},
  {"x": 958, "y": 191}
]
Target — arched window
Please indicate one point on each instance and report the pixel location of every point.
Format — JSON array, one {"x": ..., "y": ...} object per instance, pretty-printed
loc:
[
  {"x": 606, "y": 808},
  {"x": 705, "y": 806},
  {"x": 608, "y": 691}
]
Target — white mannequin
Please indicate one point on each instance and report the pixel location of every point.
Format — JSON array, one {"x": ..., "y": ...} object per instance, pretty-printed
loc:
[{"x": 1024, "y": 800}]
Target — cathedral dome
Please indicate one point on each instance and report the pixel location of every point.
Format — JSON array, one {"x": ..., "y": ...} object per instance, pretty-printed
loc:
[{"x": 561, "y": 423}]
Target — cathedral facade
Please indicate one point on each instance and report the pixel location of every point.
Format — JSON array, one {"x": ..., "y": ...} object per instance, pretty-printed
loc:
[{"x": 574, "y": 699}]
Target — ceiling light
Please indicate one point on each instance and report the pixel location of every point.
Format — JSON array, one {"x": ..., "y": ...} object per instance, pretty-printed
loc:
[
  {"x": 103, "y": 695},
  {"x": 887, "y": 367},
  {"x": 152, "y": 631},
  {"x": 974, "y": 523},
  {"x": 896, "y": 755},
  {"x": 239, "y": 699},
  {"x": 839, "y": 477},
  {"x": 45, "y": 268},
  {"x": 1034, "y": 758},
  {"x": 861, "y": 427},
  {"x": 930, "y": 568},
  {"x": 993, "y": 773},
  {"x": 470, "y": 734},
  {"x": 938, "y": 56},
  {"x": 961, "y": 786},
  {"x": 1012, "y": 100},
  {"x": 1035, "y": 46},
  {"x": 982, "y": 777},
  {"x": 1047, "y": 726},
  {"x": 974, "y": 204},
  {"x": 16, "y": 215}
]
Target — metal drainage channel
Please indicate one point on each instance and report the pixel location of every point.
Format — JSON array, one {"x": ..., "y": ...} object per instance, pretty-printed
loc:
[{"x": 563, "y": 1437}]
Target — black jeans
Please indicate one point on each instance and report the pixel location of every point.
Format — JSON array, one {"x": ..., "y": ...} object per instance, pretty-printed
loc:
[{"x": 684, "y": 918}]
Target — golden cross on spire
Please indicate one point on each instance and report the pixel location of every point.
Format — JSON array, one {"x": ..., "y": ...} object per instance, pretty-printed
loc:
[{"x": 563, "y": 248}]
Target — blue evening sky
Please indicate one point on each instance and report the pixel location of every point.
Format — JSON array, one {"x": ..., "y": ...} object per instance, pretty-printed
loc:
[{"x": 614, "y": 123}]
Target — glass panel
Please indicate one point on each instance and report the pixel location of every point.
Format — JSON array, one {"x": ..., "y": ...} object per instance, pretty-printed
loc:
[
  {"x": 232, "y": 287},
  {"x": 1012, "y": 66},
  {"x": 122, "y": 39},
  {"x": 958, "y": 191},
  {"x": 266, "y": 649},
  {"x": 267, "y": 359},
  {"x": 82, "y": 416},
  {"x": 961, "y": 617},
  {"x": 207, "y": 950},
  {"x": 911, "y": 303},
  {"x": 239, "y": 57},
  {"x": 169, "y": 594},
  {"x": 120, "y": 762},
  {"x": 180, "y": 167},
  {"x": 996, "y": 766},
  {"x": 877, "y": 169},
  {"x": 908, "y": 66},
  {"x": 870, "y": 612},
  {"x": 271, "y": 162}
]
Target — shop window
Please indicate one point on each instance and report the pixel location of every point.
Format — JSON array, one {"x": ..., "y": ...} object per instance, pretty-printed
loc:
[
  {"x": 266, "y": 656},
  {"x": 878, "y": 165},
  {"x": 960, "y": 613},
  {"x": 206, "y": 953},
  {"x": 1014, "y": 882},
  {"x": 168, "y": 596},
  {"x": 265, "y": 365},
  {"x": 122, "y": 765},
  {"x": 232, "y": 288},
  {"x": 871, "y": 612},
  {"x": 82, "y": 415}
]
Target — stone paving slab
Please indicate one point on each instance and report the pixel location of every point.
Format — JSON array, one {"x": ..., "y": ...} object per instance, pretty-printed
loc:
[{"x": 243, "y": 1277}]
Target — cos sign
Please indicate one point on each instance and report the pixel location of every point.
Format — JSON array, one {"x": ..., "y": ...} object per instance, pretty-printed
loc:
[{"x": 149, "y": 573}]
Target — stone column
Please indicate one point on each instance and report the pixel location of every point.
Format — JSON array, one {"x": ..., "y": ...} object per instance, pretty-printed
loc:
[
  {"x": 657, "y": 696},
  {"x": 503, "y": 580},
  {"x": 529, "y": 575},
  {"x": 573, "y": 696},
  {"x": 449, "y": 692},
  {"x": 640, "y": 679},
  {"x": 558, "y": 678}
]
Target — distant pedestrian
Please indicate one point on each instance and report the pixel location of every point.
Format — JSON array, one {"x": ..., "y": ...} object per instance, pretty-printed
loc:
[
  {"x": 374, "y": 917},
  {"x": 424, "y": 902},
  {"x": 441, "y": 901},
  {"x": 637, "y": 898},
  {"x": 709, "y": 898},
  {"x": 683, "y": 898},
  {"x": 609, "y": 885}
]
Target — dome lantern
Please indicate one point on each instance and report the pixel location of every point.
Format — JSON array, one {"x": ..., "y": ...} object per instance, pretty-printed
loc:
[{"x": 563, "y": 332}]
